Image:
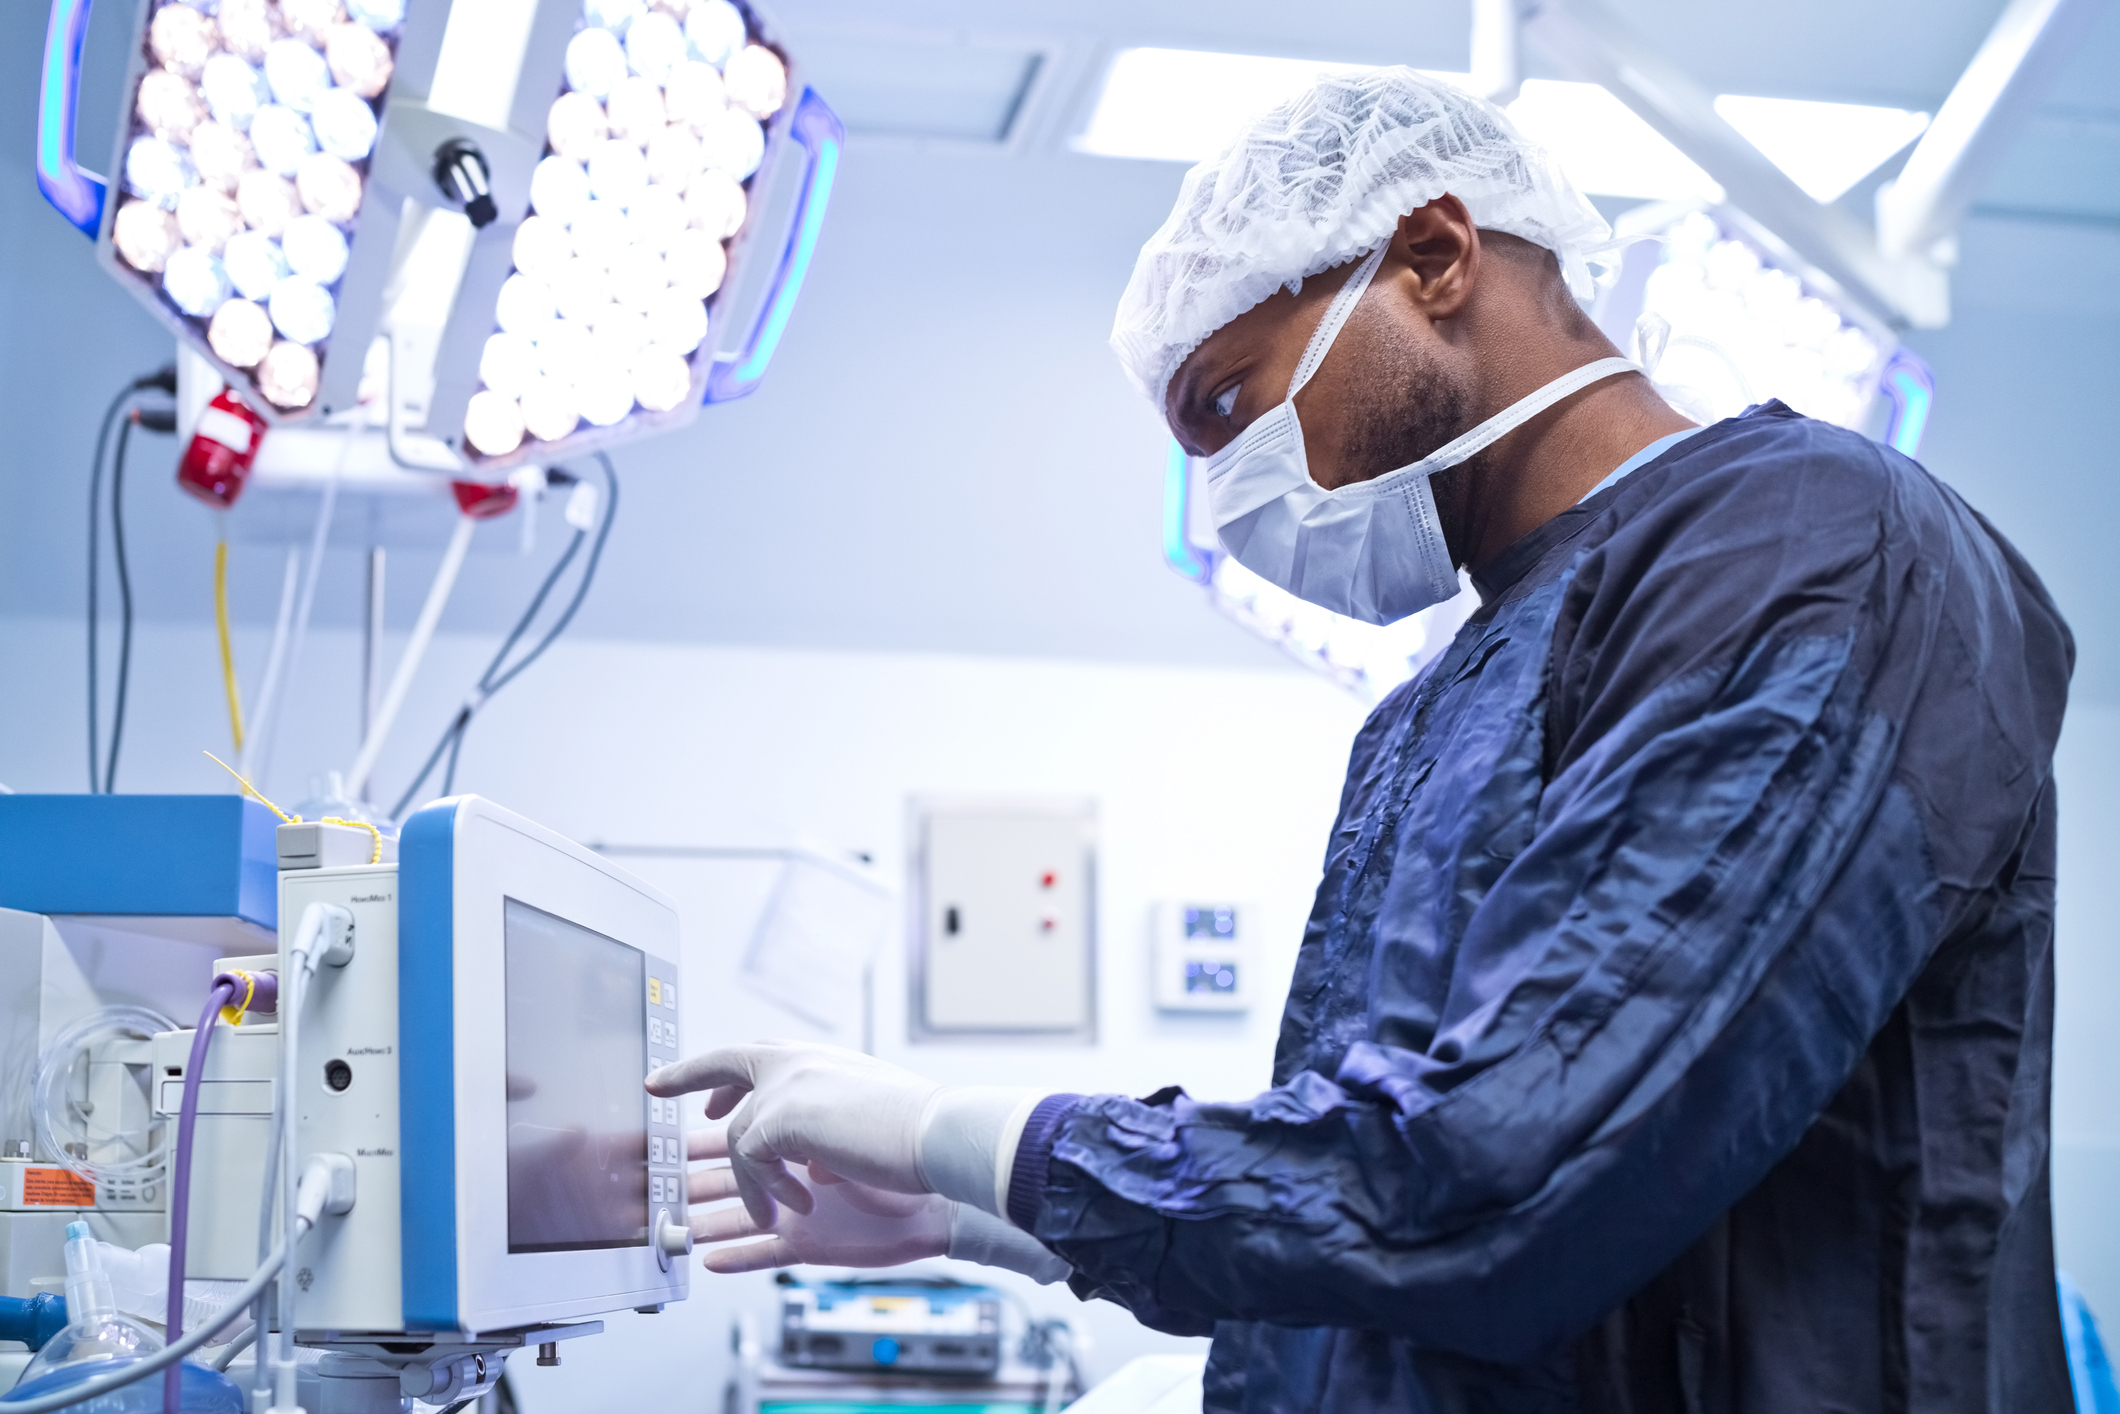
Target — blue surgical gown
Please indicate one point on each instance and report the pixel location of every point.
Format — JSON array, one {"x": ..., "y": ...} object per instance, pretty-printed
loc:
[{"x": 1672, "y": 1029}]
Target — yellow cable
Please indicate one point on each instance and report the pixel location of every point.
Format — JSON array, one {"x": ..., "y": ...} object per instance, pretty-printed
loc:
[
  {"x": 253, "y": 790},
  {"x": 228, "y": 652},
  {"x": 375, "y": 854}
]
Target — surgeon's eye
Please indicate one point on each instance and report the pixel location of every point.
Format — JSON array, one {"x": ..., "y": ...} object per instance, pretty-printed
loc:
[{"x": 1226, "y": 400}]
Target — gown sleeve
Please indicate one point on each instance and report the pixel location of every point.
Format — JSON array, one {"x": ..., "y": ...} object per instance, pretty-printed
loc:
[{"x": 1797, "y": 715}]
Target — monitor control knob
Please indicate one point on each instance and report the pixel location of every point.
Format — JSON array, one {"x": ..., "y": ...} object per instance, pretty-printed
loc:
[{"x": 672, "y": 1238}]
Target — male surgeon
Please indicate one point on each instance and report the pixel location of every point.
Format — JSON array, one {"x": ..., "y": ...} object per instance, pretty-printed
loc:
[{"x": 1672, "y": 1028}]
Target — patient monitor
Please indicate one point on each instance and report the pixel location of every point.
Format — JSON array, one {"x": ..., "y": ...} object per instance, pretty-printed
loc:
[{"x": 480, "y": 1057}]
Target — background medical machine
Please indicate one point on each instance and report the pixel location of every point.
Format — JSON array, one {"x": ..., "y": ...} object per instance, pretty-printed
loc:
[{"x": 419, "y": 1073}]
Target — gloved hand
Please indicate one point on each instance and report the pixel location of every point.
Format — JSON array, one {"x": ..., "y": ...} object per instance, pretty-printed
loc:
[
  {"x": 852, "y": 1225},
  {"x": 856, "y": 1117},
  {"x": 848, "y": 1225}
]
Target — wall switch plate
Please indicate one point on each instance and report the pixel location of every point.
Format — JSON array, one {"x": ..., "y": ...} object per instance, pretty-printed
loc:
[{"x": 1202, "y": 956}]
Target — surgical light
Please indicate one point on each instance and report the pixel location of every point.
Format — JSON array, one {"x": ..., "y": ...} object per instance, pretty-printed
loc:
[
  {"x": 1825, "y": 148},
  {"x": 656, "y": 210}
]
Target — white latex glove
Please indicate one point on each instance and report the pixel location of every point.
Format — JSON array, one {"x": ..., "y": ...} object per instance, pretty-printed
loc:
[
  {"x": 854, "y": 1116},
  {"x": 852, "y": 1225}
]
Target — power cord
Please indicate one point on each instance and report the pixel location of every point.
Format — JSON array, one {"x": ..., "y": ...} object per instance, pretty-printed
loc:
[
  {"x": 164, "y": 379},
  {"x": 494, "y": 679}
]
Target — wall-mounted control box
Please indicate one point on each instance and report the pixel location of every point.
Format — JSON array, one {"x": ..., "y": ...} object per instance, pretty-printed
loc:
[
  {"x": 1202, "y": 956},
  {"x": 1004, "y": 923}
]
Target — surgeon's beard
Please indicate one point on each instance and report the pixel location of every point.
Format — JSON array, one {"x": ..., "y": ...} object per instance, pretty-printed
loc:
[{"x": 1427, "y": 412}]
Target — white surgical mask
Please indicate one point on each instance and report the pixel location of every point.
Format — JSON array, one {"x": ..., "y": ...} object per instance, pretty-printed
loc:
[{"x": 1373, "y": 550}]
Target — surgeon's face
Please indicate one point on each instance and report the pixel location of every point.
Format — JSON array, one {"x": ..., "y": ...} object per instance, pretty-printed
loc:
[{"x": 1388, "y": 392}]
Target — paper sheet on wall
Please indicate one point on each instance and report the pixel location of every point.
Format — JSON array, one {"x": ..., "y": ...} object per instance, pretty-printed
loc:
[{"x": 813, "y": 944}]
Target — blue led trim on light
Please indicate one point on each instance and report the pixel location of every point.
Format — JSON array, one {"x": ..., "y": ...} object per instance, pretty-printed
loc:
[
  {"x": 427, "y": 1067},
  {"x": 816, "y": 129},
  {"x": 1911, "y": 389},
  {"x": 77, "y": 195},
  {"x": 799, "y": 265},
  {"x": 1178, "y": 552}
]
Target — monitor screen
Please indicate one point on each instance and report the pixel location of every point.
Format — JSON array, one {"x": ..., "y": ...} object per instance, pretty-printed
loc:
[{"x": 577, "y": 1116}]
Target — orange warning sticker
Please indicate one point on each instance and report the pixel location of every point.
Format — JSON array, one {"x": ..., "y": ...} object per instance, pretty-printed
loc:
[{"x": 56, "y": 1188}]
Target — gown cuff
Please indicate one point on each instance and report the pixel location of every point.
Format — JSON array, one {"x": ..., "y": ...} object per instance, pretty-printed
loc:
[{"x": 1033, "y": 1156}]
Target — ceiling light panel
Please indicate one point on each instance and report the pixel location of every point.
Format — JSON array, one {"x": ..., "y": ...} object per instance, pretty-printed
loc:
[{"x": 1825, "y": 148}]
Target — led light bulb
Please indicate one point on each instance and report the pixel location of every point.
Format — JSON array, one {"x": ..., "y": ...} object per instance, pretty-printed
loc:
[
  {"x": 732, "y": 142},
  {"x": 315, "y": 249},
  {"x": 240, "y": 334},
  {"x": 195, "y": 281},
  {"x": 558, "y": 186},
  {"x": 233, "y": 90},
  {"x": 144, "y": 234},
  {"x": 302, "y": 310},
  {"x": 677, "y": 323},
  {"x": 654, "y": 46},
  {"x": 595, "y": 62},
  {"x": 182, "y": 39},
  {"x": 563, "y": 350},
  {"x": 157, "y": 171},
  {"x": 575, "y": 125},
  {"x": 169, "y": 105},
  {"x": 255, "y": 264},
  {"x": 267, "y": 201},
  {"x": 344, "y": 124},
  {"x": 638, "y": 278},
  {"x": 619, "y": 336},
  {"x": 674, "y": 154},
  {"x": 714, "y": 31},
  {"x": 661, "y": 380},
  {"x": 696, "y": 264},
  {"x": 541, "y": 246},
  {"x": 282, "y": 138},
  {"x": 311, "y": 19},
  {"x": 329, "y": 187},
  {"x": 523, "y": 305},
  {"x": 207, "y": 217},
  {"x": 656, "y": 218},
  {"x": 605, "y": 396},
  {"x": 617, "y": 172},
  {"x": 757, "y": 81},
  {"x": 549, "y": 410},
  {"x": 581, "y": 290},
  {"x": 359, "y": 61},
  {"x": 220, "y": 155},
  {"x": 248, "y": 27},
  {"x": 613, "y": 15},
  {"x": 493, "y": 423},
  {"x": 287, "y": 375},
  {"x": 507, "y": 364},
  {"x": 296, "y": 73},
  {"x": 693, "y": 93},
  {"x": 636, "y": 109},
  {"x": 714, "y": 201},
  {"x": 382, "y": 16},
  {"x": 598, "y": 232}
]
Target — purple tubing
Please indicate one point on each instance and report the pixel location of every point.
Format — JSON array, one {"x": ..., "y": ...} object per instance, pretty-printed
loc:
[{"x": 225, "y": 990}]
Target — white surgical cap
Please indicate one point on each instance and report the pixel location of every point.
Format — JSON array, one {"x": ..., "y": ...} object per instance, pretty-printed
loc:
[{"x": 1322, "y": 179}]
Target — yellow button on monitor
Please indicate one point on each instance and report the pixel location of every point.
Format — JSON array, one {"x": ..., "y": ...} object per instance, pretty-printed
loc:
[{"x": 655, "y": 991}]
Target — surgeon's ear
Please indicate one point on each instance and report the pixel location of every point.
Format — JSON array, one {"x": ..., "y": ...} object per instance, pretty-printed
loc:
[{"x": 1438, "y": 248}]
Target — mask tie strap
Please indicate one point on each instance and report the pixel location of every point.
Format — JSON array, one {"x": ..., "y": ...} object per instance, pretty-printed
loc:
[
  {"x": 1336, "y": 313},
  {"x": 1520, "y": 412}
]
